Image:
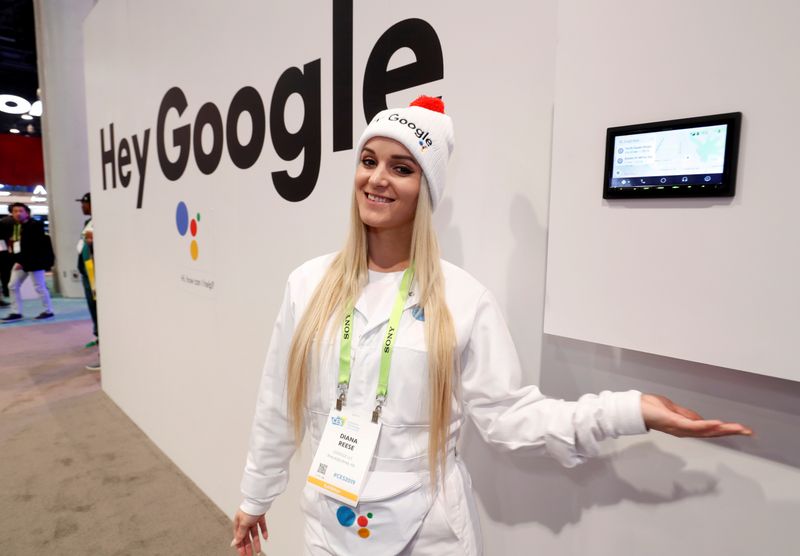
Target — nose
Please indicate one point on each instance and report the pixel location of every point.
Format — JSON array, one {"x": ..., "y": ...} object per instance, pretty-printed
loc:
[{"x": 378, "y": 176}]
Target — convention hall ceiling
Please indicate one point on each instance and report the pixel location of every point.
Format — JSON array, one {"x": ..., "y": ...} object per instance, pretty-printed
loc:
[{"x": 18, "y": 76}]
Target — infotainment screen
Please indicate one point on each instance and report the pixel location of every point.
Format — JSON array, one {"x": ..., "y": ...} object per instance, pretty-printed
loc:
[{"x": 692, "y": 157}]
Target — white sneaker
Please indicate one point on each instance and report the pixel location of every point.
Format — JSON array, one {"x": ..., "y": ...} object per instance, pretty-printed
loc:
[{"x": 93, "y": 366}]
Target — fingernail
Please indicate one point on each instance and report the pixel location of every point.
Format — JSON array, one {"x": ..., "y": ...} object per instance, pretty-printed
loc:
[{"x": 233, "y": 543}]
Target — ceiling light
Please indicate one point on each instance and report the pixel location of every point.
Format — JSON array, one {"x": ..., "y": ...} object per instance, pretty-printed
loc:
[
  {"x": 13, "y": 130},
  {"x": 36, "y": 108},
  {"x": 26, "y": 117},
  {"x": 5, "y": 194},
  {"x": 36, "y": 199},
  {"x": 12, "y": 104},
  {"x": 39, "y": 190}
]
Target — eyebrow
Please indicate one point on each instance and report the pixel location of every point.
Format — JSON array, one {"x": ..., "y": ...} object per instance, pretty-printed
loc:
[{"x": 394, "y": 156}]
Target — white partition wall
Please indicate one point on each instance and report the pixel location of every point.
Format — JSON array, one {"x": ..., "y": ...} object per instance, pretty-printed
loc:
[
  {"x": 630, "y": 275},
  {"x": 60, "y": 59},
  {"x": 710, "y": 280},
  {"x": 186, "y": 309},
  {"x": 184, "y": 338}
]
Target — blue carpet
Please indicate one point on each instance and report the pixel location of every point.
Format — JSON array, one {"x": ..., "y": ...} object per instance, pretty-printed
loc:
[{"x": 65, "y": 309}]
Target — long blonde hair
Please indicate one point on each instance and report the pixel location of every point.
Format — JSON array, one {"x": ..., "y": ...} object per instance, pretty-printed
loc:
[{"x": 343, "y": 282}]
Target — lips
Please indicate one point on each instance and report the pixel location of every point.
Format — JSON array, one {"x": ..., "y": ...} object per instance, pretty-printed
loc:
[{"x": 378, "y": 199}]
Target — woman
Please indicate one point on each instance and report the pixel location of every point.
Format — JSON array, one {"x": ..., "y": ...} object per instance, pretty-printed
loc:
[{"x": 384, "y": 328}]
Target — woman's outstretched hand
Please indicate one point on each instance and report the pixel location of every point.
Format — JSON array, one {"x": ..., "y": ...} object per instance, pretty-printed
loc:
[
  {"x": 245, "y": 533},
  {"x": 662, "y": 414}
]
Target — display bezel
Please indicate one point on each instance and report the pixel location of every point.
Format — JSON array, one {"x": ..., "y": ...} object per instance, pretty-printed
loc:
[{"x": 727, "y": 185}]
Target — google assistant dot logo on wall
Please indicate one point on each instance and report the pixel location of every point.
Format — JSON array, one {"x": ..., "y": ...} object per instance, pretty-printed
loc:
[{"x": 184, "y": 225}]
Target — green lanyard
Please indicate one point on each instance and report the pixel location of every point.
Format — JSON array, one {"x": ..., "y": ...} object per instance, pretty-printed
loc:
[
  {"x": 345, "y": 351},
  {"x": 17, "y": 235}
]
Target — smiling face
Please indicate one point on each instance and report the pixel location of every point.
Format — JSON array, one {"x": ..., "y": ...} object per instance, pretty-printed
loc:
[{"x": 387, "y": 184}]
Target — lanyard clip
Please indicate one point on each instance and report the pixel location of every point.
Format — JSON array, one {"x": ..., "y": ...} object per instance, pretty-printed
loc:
[
  {"x": 341, "y": 390},
  {"x": 378, "y": 408}
]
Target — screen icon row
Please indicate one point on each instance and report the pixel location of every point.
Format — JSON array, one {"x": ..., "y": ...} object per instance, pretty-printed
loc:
[{"x": 667, "y": 180}]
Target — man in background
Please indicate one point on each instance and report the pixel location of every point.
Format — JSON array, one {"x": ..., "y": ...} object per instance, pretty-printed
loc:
[
  {"x": 85, "y": 249},
  {"x": 33, "y": 255}
]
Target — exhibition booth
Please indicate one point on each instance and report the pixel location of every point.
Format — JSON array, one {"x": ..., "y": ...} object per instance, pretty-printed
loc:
[{"x": 220, "y": 143}]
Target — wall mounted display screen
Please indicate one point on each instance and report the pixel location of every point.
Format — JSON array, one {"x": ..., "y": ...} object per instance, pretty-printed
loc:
[{"x": 691, "y": 157}]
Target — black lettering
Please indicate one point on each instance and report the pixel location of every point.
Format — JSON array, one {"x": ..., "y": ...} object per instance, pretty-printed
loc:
[
  {"x": 141, "y": 163},
  {"x": 348, "y": 438},
  {"x": 107, "y": 156},
  {"x": 342, "y": 75},
  {"x": 208, "y": 115},
  {"x": 388, "y": 342},
  {"x": 123, "y": 160},
  {"x": 181, "y": 137},
  {"x": 307, "y": 140},
  {"x": 421, "y": 38},
  {"x": 247, "y": 100}
]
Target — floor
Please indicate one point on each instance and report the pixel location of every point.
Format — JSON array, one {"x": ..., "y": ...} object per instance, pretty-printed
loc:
[{"x": 76, "y": 475}]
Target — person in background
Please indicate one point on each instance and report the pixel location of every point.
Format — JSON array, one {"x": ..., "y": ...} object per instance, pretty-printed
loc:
[
  {"x": 6, "y": 262},
  {"x": 85, "y": 249},
  {"x": 33, "y": 255}
]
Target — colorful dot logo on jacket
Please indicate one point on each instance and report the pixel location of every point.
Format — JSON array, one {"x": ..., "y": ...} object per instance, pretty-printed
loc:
[
  {"x": 347, "y": 517},
  {"x": 185, "y": 225}
]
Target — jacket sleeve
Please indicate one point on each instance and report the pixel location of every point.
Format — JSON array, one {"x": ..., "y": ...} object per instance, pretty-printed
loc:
[
  {"x": 272, "y": 441},
  {"x": 520, "y": 418}
]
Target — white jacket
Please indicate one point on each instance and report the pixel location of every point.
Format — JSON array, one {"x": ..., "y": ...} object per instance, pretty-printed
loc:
[{"x": 509, "y": 415}]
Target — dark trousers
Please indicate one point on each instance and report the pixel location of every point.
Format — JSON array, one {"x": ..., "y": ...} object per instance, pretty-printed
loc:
[
  {"x": 6, "y": 264},
  {"x": 87, "y": 291}
]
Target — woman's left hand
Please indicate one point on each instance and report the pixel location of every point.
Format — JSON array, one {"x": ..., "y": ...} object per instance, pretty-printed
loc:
[{"x": 662, "y": 414}]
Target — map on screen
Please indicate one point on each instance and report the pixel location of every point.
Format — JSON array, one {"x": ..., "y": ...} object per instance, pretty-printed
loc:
[{"x": 680, "y": 156}]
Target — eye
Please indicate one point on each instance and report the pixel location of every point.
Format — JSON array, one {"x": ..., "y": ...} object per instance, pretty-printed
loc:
[
  {"x": 404, "y": 170},
  {"x": 368, "y": 161}
]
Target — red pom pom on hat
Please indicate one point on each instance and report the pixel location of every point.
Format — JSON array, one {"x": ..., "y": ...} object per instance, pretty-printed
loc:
[{"x": 431, "y": 103}]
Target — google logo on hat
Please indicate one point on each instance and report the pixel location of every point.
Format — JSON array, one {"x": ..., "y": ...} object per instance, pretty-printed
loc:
[{"x": 185, "y": 225}]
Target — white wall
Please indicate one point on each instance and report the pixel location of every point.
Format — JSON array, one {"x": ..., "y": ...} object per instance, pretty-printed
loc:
[
  {"x": 708, "y": 280},
  {"x": 656, "y": 494},
  {"x": 59, "y": 44},
  {"x": 183, "y": 361}
]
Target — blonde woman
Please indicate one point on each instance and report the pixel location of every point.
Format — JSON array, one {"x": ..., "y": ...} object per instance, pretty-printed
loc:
[{"x": 394, "y": 343}]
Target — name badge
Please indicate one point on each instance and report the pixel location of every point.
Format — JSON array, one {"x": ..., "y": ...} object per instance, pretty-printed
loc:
[
  {"x": 17, "y": 247},
  {"x": 344, "y": 455}
]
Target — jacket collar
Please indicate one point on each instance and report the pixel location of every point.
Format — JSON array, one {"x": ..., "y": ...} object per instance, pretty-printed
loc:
[{"x": 374, "y": 321}]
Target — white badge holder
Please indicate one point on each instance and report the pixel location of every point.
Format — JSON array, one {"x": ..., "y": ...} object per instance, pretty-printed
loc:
[{"x": 344, "y": 455}]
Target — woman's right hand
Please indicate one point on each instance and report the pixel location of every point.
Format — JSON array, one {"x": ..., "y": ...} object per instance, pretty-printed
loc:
[{"x": 245, "y": 533}]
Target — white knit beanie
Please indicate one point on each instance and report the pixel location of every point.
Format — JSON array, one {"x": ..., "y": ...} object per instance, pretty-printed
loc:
[{"x": 425, "y": 130}]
